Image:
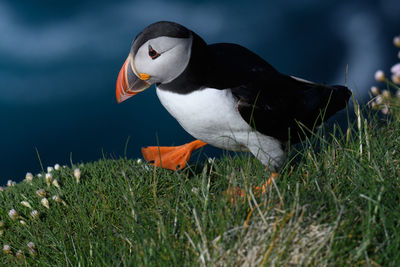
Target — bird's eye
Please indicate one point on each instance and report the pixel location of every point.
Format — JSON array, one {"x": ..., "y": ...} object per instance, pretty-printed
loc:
[{"x": 153, "y": 53}]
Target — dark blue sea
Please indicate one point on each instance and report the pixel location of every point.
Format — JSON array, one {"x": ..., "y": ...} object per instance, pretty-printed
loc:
[{"x": 59, "y": 61}]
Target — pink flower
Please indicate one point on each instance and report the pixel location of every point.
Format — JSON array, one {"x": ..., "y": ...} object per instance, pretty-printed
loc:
[{"x": 396, "y": 69}]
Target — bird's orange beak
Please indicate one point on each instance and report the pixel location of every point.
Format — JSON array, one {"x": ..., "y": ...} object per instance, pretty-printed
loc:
[{"x": 128, "y": 83}]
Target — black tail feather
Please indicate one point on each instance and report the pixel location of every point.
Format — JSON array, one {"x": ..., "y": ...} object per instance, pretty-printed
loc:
[{"x": 339, "y": 97}]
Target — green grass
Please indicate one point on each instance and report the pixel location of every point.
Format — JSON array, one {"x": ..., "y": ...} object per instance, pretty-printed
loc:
[{"x": 336, "y": 202}]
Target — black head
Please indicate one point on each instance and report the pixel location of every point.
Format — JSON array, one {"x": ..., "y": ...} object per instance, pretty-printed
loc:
[{"x": 158, "y": 29}]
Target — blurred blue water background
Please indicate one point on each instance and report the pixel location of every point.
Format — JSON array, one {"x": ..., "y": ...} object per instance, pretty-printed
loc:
[{"x": 59, "y": 61}]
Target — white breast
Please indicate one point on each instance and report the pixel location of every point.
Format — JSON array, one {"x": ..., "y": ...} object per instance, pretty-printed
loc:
[{"x": 211, "y": 115}]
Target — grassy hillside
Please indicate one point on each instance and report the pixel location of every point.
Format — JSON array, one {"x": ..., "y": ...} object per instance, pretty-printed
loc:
[{"x": 336, "y": 202}]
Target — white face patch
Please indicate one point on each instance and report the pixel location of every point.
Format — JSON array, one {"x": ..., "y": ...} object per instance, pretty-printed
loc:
[{"x": 174, "y": 57}]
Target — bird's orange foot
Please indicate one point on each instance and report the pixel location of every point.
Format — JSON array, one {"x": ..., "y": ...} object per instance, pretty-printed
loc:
[
  {"x": 171, "y": 157},
  {"x": 240, "y": 194}
]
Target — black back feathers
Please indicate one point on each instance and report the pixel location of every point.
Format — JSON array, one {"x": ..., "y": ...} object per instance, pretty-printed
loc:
[{"x": 274, "y": 104}]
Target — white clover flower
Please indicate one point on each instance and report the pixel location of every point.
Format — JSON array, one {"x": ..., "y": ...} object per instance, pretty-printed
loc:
[
  {"x": 395, "y": 69},
  {"x": 1, "y": 189},
  {"x": 26, "y": 204},
  {"x": 379, "y": 99},
  {"x": 195, "y": 190},
  {"x": 375, "y": 90},
  {"x": 55, "y": 183},
  {"x": 19, "y": 254},
  {"x": 50, "y": 169},
  {"x": 29, "y": 177},
  {"x": 7, "y": 249},
  {"x": 31, "y": 248},
  {"x": 379, "y": 76},
  {"x": 57, "y": 167},
  {"x": 45, "y": 202},
  {"x": 41, "y": 193},
  {"x": 396, "y": 41},
  {"x": 77, "y": 174},
  {"x": 138, "y": 161},
  {"x": 39, "y": 175},
  {"x": 64, "y": 166},
  {"x": 48, "y": 178},
  {"x": 22, "y": 222},
  {"x": 56, "y": 198},
  {"x": 34, "y": 214},
  {"x": 13, "y": 214},
  {"x": 10, "y": 183},
  {"x": 385, "y": 110},
  {"x": 31, "y": 245},
  {"x": 386, "y": 94},
  {"x": 396, "y": 78},
  {"x": 1, "y": 224}
]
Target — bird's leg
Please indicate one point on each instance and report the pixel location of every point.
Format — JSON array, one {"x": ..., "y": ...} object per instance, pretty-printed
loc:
[
  {"x": 239, "y": 193},
  {"x": 171, "y": 157}
]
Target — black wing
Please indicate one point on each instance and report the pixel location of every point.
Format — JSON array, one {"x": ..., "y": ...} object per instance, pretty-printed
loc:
[{"x": 274, "y": 104}]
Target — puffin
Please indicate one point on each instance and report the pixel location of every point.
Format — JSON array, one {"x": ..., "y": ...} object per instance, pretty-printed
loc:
[{"x": 224, "y": 95}]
